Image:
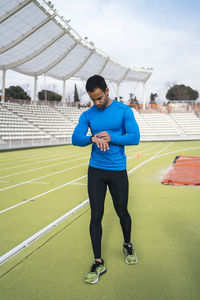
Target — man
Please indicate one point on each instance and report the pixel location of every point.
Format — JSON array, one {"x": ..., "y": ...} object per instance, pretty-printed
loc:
[{"x": 113, "y": 126}]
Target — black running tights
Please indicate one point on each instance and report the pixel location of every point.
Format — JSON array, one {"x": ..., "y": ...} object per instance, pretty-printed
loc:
[{"x": 117, "y": 181}]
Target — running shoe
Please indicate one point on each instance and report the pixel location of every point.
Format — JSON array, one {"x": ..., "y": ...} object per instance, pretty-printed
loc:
[
  {"x": 129, "y": 252},
  {"x": 97, "y": 269}
]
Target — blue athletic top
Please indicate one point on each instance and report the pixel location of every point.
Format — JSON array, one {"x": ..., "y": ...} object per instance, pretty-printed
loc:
[{"x": 118, "y": 120}]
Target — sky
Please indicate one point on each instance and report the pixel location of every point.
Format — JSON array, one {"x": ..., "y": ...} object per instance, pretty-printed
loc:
[{"x": 163, "y": 35}]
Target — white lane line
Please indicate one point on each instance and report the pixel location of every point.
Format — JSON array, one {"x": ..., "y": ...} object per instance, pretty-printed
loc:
[
  {"x": 149, "y": 159},
  {"x": 37, "y": 182},
  {"x": 165, "y": 154},
  {"x": 44, "y": 176},
  {"x": 40, "y": 233},
  {"x": 29, "y": 181},
  {"x": 60, "y": 163},
  {"x": 19, "y": 173},
  {"x": 50, "y": 174},
  {"x": 134, "y": 154},
  {"x": 77, "y": 183},
  {"x": 46, "y": 229},
  {"x": 41, "y": 157},
  {"x": 22, "y": 160},
  {"x": 155, "y": 157},
  {"x": 21, "y": 203},
  {"x": 47, "y": 192},
  {"x": 38, "y": 162},
  {"x": 46, "y": 182},
  {"x": 163, "y": 149},
  {"x": 145, "y": 150}
]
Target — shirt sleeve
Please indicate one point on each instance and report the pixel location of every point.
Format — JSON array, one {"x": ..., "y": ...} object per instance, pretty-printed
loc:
[
  {"x": 79, "y": 137},
  {"x": 132, "y": 133}
]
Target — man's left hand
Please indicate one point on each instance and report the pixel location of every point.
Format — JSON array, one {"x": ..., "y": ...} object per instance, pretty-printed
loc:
[{"x": 103, "y": 135}]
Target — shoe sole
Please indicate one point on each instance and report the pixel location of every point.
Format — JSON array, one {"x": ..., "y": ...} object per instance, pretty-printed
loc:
[
  {"x": 95, "y": 281},
  {"x": 130, "y": 263}
]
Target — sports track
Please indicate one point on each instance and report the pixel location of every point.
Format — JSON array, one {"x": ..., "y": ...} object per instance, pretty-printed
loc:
[{"x": 38, "y": 186}]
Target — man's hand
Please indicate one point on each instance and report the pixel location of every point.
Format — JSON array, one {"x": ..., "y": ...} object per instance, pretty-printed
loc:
[
  {"x": 104, "y": 136},
  {"x": 101, "y": 143}
]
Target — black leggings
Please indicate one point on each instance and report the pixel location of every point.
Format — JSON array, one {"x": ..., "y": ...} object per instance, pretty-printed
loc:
[{"x": 117, "y": 181}]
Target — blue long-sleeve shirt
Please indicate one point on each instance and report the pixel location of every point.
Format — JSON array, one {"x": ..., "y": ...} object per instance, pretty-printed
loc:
[{"x": 118, "y": 120}]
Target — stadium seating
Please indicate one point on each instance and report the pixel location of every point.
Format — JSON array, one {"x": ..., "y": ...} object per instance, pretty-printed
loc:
[
  {"x": 188, "y": 122},
  {"x": 33, "y": 125}
]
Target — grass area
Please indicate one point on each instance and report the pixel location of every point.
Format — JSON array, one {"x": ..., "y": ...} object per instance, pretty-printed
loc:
[{"x": 165, "y": 233}]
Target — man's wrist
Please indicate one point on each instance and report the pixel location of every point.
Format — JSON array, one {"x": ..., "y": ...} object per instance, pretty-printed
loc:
[{"x": 91, "y": 138}]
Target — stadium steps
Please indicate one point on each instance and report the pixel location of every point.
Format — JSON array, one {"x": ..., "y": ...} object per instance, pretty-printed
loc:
[
  {"x": 176, "y": 125},
  {"x": 188, "y": 122},
  {"x": 61, "y": 112},
  {"x": 22, "y": 117}
]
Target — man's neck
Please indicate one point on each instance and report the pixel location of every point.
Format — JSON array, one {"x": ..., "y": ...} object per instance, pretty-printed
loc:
[{"x": 109, "y": 102}]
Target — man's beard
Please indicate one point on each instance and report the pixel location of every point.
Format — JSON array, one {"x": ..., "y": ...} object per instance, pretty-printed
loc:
[{"x": 105, "y": 103}]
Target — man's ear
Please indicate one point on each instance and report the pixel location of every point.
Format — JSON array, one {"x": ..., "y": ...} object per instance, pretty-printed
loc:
[{"x": 107, "y": 91}]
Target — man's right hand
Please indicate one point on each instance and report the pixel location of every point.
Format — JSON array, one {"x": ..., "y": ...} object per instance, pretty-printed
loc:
[{"x": 102, "y": 144}]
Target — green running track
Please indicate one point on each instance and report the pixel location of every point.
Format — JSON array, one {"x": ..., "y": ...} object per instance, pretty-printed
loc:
[{"x": 165, "y": 229}]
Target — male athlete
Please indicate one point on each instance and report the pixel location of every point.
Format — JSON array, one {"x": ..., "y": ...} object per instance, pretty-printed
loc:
[{"x": 113, "y": 126}]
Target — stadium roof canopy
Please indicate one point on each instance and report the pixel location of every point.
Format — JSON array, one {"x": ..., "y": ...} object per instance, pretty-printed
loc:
[{"x": 35, "y": 40}]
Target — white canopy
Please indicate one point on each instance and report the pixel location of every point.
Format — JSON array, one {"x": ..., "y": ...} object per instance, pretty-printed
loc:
[{"x": 35, "y": 40}]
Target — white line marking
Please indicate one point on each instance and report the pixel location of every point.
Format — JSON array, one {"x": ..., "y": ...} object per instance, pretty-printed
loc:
[
  {"x": 38, "y": 162},
  {"x": 44, "y": 176},
  {"x": 40, "y": 233},
  {"x": 139, "y": 149},
  {"x": 163, "y": 149},
  {"x": 22, "y": 160},
  {"x": 52, "y": 190},
  {"x": 23, "y": 172},
  {"x": 43, "y": 231},
  {"x": 37, "y": 182},
  {"x": 77, "y": 183},
  {"x": 149, "y": 159},
  {"x": 61, "y": 171},
  {"x": 165, "y": 154}
]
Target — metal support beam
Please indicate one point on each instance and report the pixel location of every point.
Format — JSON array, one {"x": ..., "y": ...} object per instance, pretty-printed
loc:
[
  {"x": 118, "y": 90},
  {"x": 64, "y": 90},
  {"x": 24, "y": 36},
  {"x": 144, "y": 96},
  {"x": 35, "y": 89},
  {"x": 80, "y": 66},
  {"x": 34, "y": 54},
  {"x": 52, "y": 65},
  {"x": 14, "y": 11},
  {"x": 3, "y": 85},
  {"x": 104, "y": 65}
]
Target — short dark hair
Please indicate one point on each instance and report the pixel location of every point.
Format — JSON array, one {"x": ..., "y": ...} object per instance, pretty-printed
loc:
[{"x": 95, "y": 82}]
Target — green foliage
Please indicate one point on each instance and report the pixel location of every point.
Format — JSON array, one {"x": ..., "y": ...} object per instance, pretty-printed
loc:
[
  {"x": 120, "y": 99},
  {"x": 153, "y": 98},
  {"x": 181, "y": 92},
  {"x": 133, "y": 100},
  {"x": 76, "y": 96},
  {"x": 16, "y": 92},
  {"x": 49, "y": 96}
]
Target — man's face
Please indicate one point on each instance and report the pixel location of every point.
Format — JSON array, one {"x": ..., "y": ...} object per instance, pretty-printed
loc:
[{"x": 99, "y": 98}]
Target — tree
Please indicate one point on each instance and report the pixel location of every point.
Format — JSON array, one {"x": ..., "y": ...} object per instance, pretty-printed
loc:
[
  {"x": 76, "y": 96},
  {"x": 133, "y": 100},
  {"x": 49, "y": 95},
  {"x": 120, "y": 99},
  {"x": 153, "y": 98},
  {"x": 181, "y": 92},
  {"x": 16, "y": 92}
]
